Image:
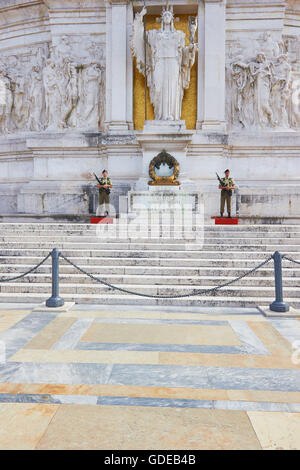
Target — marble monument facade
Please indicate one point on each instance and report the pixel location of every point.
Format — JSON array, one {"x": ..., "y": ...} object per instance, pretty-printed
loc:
[{"x": 69, "y": 74}]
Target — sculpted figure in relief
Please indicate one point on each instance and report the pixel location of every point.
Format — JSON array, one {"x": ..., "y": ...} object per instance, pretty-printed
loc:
[
  {"x": 6, "y": 102},
  {"x": 21, "y": 108},
  {"x": 167, "y": 63},
  {"x": 52, "y": 95},
  {"x": 36, "y": 99},
  {"x": 261, "y": 73},
  {"x": 52, "y": 87},
  {"x": 262, "y": 88},
  {"x": 281, "y": 90},
  {"x": 243, "y": 102},
  {"x": 91, "y": 98},
  {"x": 69, "y": 92}
]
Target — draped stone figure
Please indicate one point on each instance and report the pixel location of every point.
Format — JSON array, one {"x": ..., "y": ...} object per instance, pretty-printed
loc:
[
  {"x": 167, "y": 63},
  {"x": 21, "y": 108},
  {"x": 6, "y": 102},
  {"x": 281, "y": 90},
  {"x": 91, "y": 87},
  {"x": 52, "y": 95},
  {"x": 261, "y": 72},
  {"x": 243, "y": 103},
  {"x": 36, "y": 98},
  {"x": 69, "y": 92}
]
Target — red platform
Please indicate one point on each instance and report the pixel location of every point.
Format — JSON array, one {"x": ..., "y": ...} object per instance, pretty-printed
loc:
[
  {"x": 226, "y": 220},
  {"x": 102, "y": 220}
]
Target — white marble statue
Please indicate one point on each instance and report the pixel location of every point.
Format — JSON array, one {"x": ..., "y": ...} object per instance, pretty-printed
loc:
[{"x": 167, "y": 63}]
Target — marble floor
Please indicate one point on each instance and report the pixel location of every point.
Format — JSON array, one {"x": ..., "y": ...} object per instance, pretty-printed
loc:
[{"x": 108, "y": 377}]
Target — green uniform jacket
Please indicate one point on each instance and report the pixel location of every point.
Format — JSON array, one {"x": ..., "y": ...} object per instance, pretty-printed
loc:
[
  {"x": 227, "y": 182},
  {"x": 105, "y": 181}
]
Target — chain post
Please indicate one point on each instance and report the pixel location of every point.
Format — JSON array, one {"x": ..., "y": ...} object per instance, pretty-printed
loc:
[
  {"x": 278, "y": 305},
  {"x": 55, "y": 300}
]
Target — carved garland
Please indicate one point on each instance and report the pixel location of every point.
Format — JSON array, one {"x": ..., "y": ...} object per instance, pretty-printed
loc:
[{"x": 163, "y": 157}]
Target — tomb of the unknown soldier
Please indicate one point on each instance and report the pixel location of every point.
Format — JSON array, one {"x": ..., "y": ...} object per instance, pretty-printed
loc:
[{"x": 149, "y": 227}]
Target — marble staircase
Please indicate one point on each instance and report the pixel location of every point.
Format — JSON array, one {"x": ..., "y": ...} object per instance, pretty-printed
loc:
[{"x": 161, "y": 266}]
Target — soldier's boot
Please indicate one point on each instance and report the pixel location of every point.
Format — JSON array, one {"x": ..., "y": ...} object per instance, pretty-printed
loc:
[
  {"x": 221, "y": 215},
  {"x": 229, "y": 215}
]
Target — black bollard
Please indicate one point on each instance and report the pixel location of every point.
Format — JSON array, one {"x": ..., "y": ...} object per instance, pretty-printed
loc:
[
  {"x": 278, "y": 305},
  {"x": 55, "y": 300}
]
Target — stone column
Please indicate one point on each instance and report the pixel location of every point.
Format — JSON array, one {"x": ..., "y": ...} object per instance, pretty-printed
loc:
[
  {"x": 213, "y": 108},
  {"x": 117, "y": 47},
  {"x": 201, "y": 64}
]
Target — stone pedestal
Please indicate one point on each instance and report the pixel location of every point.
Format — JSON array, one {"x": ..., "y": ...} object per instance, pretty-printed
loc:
[
  {"x": 171, "y": 136},
  {"x": 167, "y": 212},
  {"x": 166, "y": 199}
]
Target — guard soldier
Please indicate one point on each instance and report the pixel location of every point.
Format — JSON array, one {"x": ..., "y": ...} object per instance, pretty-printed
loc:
[
  {"x": 226, "y": 186},
  {"x": 104, "y": 191}
]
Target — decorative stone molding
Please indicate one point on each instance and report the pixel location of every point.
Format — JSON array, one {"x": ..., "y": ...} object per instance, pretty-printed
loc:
[{"x": 164, "y": 158}]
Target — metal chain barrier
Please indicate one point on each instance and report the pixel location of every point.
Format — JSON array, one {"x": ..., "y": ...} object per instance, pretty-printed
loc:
[
  {"x": 290, "y": 259},
  {"x": 27, "y": 272},
  {"x": 198, "y": 292}
]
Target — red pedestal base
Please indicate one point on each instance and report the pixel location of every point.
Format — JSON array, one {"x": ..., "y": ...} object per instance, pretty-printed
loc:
[
  {"x": 102, "y": 220},
  {"x": 226, "y": 220}
]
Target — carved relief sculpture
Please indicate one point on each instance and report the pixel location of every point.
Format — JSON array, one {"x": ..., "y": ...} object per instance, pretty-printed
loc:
[
  {"x": 52, "y": 88},
  {"x": 262, "y": 87}
]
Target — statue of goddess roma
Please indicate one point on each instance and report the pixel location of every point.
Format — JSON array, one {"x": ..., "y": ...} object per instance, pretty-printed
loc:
[{"x": 167, "y": 64}]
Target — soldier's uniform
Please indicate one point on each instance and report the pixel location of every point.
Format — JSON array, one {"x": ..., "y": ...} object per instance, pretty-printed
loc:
[
  {"x": 104, "y": 195},
  {"x": 226, "y": 195}
]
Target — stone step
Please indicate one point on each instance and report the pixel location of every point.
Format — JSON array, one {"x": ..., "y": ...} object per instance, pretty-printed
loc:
[
  {"x": 100, "y": 246},
  {"x": 127, "y": 249},
  {"x": 24, "y": 227},
  {"x": 160, "y": 266},
  {"x": 209, "y": 237},
  {"x": 106, "y": 299},
  {"x": 255, "y": 279},
  {"x": 142, "y": 235},
  {"x": 182, "y": 254},
  {"x": 148, "y": 263},
  {"x": 289, "y": 271},
  {"x": 142, "y": 262},
  {"x": 168, "y": 243},
  {"x": 162, "y": 289}
]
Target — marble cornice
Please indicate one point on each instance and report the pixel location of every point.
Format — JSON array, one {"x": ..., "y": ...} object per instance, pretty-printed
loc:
[
  {"x": 74, "y": 5},
  {"x": 16, "y": 4},
  {"x": 119, "y": 2},
  {"x": 255, "y": 4}
]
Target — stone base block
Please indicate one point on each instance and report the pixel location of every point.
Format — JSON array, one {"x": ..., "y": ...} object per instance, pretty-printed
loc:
[
  {"x": 292, "y": 313},
  {"x": 64, "y": 308}
]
